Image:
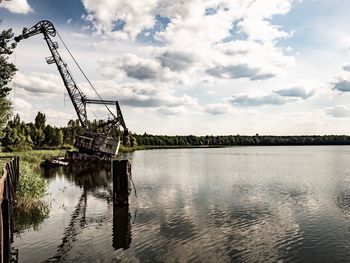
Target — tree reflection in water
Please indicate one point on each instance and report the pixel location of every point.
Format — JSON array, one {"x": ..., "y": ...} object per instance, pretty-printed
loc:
[{"x": 25, "y": 219}]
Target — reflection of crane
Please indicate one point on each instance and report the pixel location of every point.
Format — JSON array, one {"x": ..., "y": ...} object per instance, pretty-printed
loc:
[
  {"x": 91, "y": 142},
  {"x": 92, "y": 180},
  {"x": 121, "y": 230},
  {"x": 71, "y": 232}
]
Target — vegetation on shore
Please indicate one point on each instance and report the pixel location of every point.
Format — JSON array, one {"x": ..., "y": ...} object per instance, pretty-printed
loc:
[
  {"x": 23, "y": 137},
  {"x": 31, "y": 210},
  {"x": 34, "y": 157},
  {"x": 31, "y": 189},
  {"x": 239, "y": 140}
]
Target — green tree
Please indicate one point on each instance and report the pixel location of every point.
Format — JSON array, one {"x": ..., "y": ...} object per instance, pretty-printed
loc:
[
  {"x": 133, "y": 141},
  {"x": 59, "y": 137},
  {"x": 5, "y": 113},
  {"x": 40, "y": 121},
  {"x": 49, "y": 132},
  {"x": 7, "y": 71}
]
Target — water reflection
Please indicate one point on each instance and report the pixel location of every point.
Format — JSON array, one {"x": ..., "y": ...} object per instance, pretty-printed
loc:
[
  {"x": 32, "y": 217},
  {"x": 121, "y": 227},
  {"x": 76, "y": 223},
  {"x": 243, "y": 204},
  {"x": 85, "y": 176},
  {"x": 95, "y": 182}
]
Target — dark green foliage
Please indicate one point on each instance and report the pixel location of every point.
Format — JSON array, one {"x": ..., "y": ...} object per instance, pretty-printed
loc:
[
  {"x": 32, "y": 217},
  {"x": 238, "y": 140},
  {"x": 19, "y": 136},
  {"x": 5, "y": 113},
  {"x": 30, "y": 209},
  {"x": 40, "y": 121},
  {"x": 31, "y": 185},
  {"x": 7, "y": 71}
]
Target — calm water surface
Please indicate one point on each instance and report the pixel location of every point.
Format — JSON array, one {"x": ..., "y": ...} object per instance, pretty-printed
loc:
[{"x": 242, "y": 204}]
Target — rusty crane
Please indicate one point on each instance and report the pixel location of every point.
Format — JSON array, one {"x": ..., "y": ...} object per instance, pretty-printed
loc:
[{"x": 90, "y": 143}]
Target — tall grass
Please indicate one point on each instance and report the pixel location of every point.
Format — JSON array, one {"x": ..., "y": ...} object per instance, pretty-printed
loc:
[
  {"x": 35, "y": 157},
  {"x": 31, "y": 184},
  {"x": 31, "y": 210}
]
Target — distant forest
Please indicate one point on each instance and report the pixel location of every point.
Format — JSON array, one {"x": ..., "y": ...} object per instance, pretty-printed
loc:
[{"x": 19, "y": 136}]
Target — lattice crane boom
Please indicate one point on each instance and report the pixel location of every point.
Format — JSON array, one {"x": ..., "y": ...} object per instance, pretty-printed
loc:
[
  {"x": 92, "y": 143},
  {"x": 76, "y": 95}
]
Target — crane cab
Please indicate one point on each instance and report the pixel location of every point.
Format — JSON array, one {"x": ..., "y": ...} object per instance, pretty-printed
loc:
[{"x": 97, "y": 145}]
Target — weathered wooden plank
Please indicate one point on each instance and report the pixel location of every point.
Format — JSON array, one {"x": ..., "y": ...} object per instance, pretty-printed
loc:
[
  {"x": 121, "y": 227},
  {"x": 6, "y": 251},
  {"x": 12, "y": 193},
  {"x": 121, "y": 172},
  {"x": 2, "y": 184},
  {"x": 1, "y": 236},
  {"x": 8, "y": 185}
]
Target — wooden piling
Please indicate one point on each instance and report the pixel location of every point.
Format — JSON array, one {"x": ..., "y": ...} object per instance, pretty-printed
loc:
[
  {"x": 121, "y": 172},
  {"x": 121, "y": 227},
  {"x": 8, "y": 186}
]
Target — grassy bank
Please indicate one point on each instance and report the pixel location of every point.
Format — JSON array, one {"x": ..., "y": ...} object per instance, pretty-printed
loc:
[
  {"x": 30, "y": 209},
  {"x": 35, "y": 157}
]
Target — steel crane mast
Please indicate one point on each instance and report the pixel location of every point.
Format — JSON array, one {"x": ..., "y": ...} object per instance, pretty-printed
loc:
[
  {"x": 91, "y": 142},
  {"x": 76, "y": 95}
]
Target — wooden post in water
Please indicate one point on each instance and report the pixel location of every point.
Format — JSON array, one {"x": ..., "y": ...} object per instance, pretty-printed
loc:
[
  {"x": 121, "y": 227},
  {"x": 8, "y": 186},
  {"x": 121, "y": 172},
  {"x": 6, "y": 249}
]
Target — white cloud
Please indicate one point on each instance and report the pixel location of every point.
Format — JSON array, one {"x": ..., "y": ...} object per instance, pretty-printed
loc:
[
  {"x": 20, "y": 105},
  {"x": 141, "y": 94},
  {"x": 138, "y": 15},
  {"x": 296, "y": 92},
  {"x": 59, "y": 117},
  {"x": 132, "y": 66},
  {"x": 189, "y": 18},
  {"x": 249, "y": 100},
  {"x": 184, "y": 58},
  {"x": 218, "y": 108},
  {"x": 172, "y": 111},
  {"x": 238, "y": 71},
  {"x": 346, "y": 67},
  {"x": 38, "y": 84},
  {"x": 194, "y": 46},
  {"x": 339, "y": 111},
  {"x": 258, "y": 29},
  {"x": 135, "y": 94},
  {"x": 16, "y": 6},
  {"x": 342, "y": 85}
]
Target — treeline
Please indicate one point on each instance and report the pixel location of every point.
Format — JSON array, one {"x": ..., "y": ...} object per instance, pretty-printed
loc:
[
  {"x": 240, "y": 140},
  {"x": 21, "y": 136}
]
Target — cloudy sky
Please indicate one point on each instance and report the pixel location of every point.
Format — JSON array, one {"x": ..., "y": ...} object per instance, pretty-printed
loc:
[{"x": 192, "y": 67}]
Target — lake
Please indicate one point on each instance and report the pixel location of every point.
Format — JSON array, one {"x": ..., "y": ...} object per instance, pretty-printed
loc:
[{"x": 239, "y": 204}]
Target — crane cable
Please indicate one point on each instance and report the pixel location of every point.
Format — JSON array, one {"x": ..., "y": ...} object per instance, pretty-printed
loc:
[{"x": 76, "y": 63}]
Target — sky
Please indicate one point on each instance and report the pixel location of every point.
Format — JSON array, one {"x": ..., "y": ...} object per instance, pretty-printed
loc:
[{"x": 272, "y": 67}]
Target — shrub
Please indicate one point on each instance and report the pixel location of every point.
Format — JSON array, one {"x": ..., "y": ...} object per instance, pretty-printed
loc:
[{"x": 31, "y": 184}]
